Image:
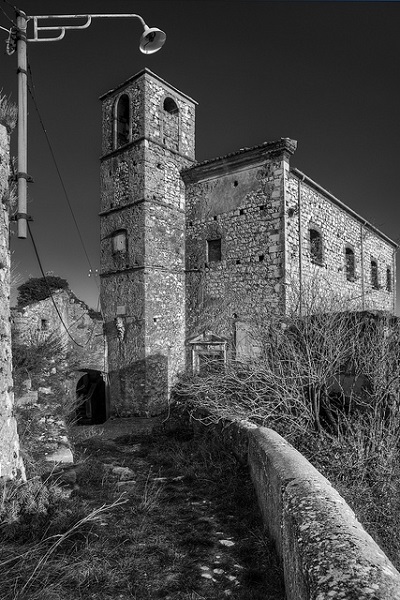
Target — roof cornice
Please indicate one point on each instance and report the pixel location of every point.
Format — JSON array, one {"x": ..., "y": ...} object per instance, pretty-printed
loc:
[
  {"x": 303, "y": 177},
  {"x": 236, "y": 160}
]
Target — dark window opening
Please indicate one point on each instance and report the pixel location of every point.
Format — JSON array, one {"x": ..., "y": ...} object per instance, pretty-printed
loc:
[
  {"x": 261, "y": 257},
  {"x": 170, "y": 106},
  {"x": 374, "y": 275},
  {"x": 241, "y": 211},
  {"x": 238, "y": 261},
  {"x": 235, "y": 183},
  {"x": 44, "y": 325},
  {"x": 350, "y": 264},
  {"x": 388, "y": 280},
  {"x": 215, "y": 218},
  {"x": 122, "y": 121},
  {"x": 315, "y": 246},
  {"x": 214, "y": 250}
]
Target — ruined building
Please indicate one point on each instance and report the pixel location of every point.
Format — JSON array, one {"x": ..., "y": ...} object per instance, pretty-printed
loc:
[
  {"x": 190, "y": 251},
  {"x": 77, "y": 334}
]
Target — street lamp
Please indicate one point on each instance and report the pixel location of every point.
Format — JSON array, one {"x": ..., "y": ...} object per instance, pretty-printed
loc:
[{"x": 151, "y": 40}]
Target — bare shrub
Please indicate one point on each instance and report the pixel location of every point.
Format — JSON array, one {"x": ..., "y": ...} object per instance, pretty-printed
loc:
[{"x": 327, "y": 381}]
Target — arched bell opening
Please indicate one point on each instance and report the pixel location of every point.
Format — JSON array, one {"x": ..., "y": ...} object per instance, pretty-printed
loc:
[{"x": 91, "y": 400}]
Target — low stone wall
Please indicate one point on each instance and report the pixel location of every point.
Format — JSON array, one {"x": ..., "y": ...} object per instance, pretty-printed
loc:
[{"x": 325, "y": 551}]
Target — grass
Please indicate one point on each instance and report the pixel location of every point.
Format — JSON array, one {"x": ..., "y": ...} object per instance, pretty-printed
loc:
[
  {"x": 183, "y": 524},
  {"x": 368, "y": 479}
]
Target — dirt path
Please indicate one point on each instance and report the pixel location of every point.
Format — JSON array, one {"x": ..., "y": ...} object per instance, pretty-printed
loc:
[{"x": 187, "y": 527}]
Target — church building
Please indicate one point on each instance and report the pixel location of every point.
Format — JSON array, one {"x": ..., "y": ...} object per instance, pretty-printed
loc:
[{"x": 192, "y": 253}]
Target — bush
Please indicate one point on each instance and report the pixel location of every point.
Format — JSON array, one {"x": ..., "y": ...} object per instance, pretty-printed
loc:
[
  {"x": 329, "y": 383},
  {"x": 35, "y": 361},
  {"x": 36, "y": 289}
]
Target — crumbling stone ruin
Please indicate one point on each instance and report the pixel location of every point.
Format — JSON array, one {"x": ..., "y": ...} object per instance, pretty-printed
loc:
[
  {"x": 190, "y": 252},
  {"x": 10, "y": 463},
  {"x": 72, "y": 326}
]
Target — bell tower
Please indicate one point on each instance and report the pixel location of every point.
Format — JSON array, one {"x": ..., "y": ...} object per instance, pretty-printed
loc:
[{"x": 148, "y": 129}]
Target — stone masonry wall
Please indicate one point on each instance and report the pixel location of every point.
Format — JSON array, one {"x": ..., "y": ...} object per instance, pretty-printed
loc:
[
  {"x": 36, "y": 322},
  {"x": 10, "y": 462},
  {"x": 242, "y": 206},
  {"x": 142, "y": 288},
  {"x": 327, "y": 282}
]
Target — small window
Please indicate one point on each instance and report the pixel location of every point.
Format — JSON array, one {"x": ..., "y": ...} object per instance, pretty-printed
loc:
[
  {"x": 315, "y": 246},
  {"x": 122, "y": 121},
  {"x": 44, "y": 325},
  {"x": 119, "y": 242},
  {"x": 214, "y": 250},
  {"x": 170, "y": 106},
  {"x": 374, "y": 275},
  {"x": 350, "y": 264},
  {"x": 388, "y": 280}
]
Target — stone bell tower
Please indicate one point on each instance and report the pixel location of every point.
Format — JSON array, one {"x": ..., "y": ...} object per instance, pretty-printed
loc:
[{"x": 147, "y": 139}]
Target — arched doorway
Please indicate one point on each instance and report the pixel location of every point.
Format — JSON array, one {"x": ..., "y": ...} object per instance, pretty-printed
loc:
[{"x": 90, "y": 398}]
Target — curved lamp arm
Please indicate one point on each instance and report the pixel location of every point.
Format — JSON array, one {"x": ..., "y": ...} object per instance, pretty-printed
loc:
[{"x": 152, "y": 39}]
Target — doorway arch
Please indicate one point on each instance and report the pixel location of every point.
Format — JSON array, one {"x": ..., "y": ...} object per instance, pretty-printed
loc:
[{"x": 91, "y": 401}]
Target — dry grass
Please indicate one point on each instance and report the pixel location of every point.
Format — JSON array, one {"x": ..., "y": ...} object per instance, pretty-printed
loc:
[
  {"x": 330, "y": 385},
  {"x": 164, "y": 541},
  {"x": 8, "y": 112}
]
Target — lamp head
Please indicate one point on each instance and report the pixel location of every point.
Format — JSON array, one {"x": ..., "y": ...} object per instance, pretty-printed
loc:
[{"x": 152, "y": 40}]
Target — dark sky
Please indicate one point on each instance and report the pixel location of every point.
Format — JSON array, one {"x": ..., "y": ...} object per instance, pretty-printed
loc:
[{"x": 324, "y": 73}]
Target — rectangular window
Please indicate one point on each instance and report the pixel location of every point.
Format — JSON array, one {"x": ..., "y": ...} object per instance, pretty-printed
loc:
[
  {"x": 44, "y": 324},
  {"x": 374, "y": 275},
  {"x": 316, "y": 251},
  {"x": 388, "y": 280},
  {"x": 214, "y": 250},
  {"x": 350, "y": 264}
]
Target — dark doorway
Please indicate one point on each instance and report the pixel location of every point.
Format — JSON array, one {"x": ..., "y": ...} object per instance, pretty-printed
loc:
[{"x": 90, "y": 399}]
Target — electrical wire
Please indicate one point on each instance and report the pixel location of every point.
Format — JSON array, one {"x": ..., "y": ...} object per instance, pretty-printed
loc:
[
  {"x": 49, "y": 289},
  {"x": 6, "y": 15},
  {"x": 32, "y": 93},
  {"x": 9, "y": 4}
]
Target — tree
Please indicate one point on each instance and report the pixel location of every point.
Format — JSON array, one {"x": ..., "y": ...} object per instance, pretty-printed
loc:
[{"x": 36, "y": 289}]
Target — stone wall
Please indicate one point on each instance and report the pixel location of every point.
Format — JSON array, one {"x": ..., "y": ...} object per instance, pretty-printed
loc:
[
  {"x": 10, "y": 462},
  {"x": 239, "y": 200},
  {"x": 324, "y": 550},
  {"x": 82, "y": 334},
  {"x": 142, "y": 290},
  {"x": 340, "y": 228}
]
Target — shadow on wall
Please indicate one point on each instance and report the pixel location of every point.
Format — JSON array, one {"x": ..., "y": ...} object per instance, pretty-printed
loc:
[
  {"x": 91, "y": 406},
  {"x": 140, "y": 389}
]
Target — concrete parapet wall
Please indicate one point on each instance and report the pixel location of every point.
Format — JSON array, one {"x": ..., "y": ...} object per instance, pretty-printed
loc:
[{"x": 325, "y": 551}]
